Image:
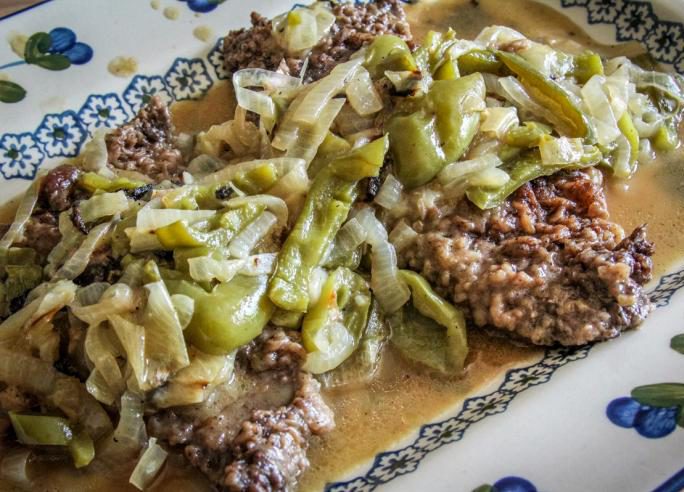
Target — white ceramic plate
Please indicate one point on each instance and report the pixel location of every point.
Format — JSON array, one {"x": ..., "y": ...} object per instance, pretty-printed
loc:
[{"x": 577, "y": 432}]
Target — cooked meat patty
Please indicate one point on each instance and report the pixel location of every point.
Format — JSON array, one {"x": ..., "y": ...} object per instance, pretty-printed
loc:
[
  {"x": 356, "y": 25},
  {"x": 146, "y": 144},
  {"x": 258, "y": 440},
  {"x": 548, "y": 265},
  {"x": 58, "y": 189}
]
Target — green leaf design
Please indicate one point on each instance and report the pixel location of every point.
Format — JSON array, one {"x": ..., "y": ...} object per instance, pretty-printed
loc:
[
  {"x": 11, "y": 92},
  {"x": 36, "y": 46},
  {"x": 680, "y": 417},
  {"x": 485, "y": 488},
  {"x": 660, "y": 395},
  {"x": 677, "y": 343},
  {"x": 53, "y": 62}
]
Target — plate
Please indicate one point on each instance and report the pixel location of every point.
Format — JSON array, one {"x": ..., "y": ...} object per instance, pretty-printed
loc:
[{"x": 544, "y": 426}]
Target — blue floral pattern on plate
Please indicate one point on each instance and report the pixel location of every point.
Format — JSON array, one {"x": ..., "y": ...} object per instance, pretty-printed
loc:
[
  {"x": 142, "y": 88},
  {"x": 202, "y": 6},
  {"x": 651, "y": 422},
  {"x": 61, "y": 135},
  {"x": 106, "y": 111},
  {"x": 188, "y": 79},
  {"x": 20, "y": 156}
]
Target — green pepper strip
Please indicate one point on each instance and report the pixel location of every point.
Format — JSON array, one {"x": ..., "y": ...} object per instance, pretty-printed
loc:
[
  {"x": 666, "y": 137},
  {"x": 431, "y": 305},
  {"x": 181, "y": 235},
  {"x": 520, "y": 171},
  {"x": 483, "y": 61},
  {"x": 326, "y": 207},
  {"x": 626, "y": 126},
  {"x": 528, "y": 135},
  {"x": 47, "y": 430},
  {"x": 550, "y": 95},
  {"x": 388, "y": 52},
  {"x": 586, "y": 65},
  {"x": 93, "y": 182},
  {"x": 341, "y": 287},
  {"x": 438, "y": 133},
  {"x": 257, "y": 180},
  {"x": 233, "y": 314}
]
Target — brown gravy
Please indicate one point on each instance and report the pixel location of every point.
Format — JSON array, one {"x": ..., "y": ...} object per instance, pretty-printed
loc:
[{"x": 371, "y": 419}]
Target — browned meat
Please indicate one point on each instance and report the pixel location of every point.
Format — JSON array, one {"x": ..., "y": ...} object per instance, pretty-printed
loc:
[
  {"x": 12, "y": 399},
  {"x": 356, "y": 25},
  {"x": 146, "y": 144},
  {"x": 258, "y": 440},
  {"x": 41, "y": 232},
  {"x": 58, "y": 188},
  {"x": 547, "y": 266}
]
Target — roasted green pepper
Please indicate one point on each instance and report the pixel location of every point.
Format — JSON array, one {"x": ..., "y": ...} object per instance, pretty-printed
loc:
[
  {"x": 571, "y": 120},
  {"x": 431, "y": 331},
  {"x": 233, "y": 314},
  {"x": 389, "y": 52},
  {"x": 528, "y": 135},
  {"x": 626, "y": 126},
  {"x": 483, "y": 61},
  {"x": 93, "y": 182},
  {"x": 257, "y": 180},
  {"x": 439, "y": 132},
  {"x": 586, "y": 65},
  {"x": 666, "y": 137},
  {"x": 331, "y": 147},
  {"x": 326, "y": 207},
  {"x": 333, "y": 326}
]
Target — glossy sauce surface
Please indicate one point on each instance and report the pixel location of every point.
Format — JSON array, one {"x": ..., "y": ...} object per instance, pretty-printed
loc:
[{"x": 370, "y": 419}]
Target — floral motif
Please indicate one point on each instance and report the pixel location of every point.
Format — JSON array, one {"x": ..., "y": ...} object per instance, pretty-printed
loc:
[
  {"x": 20, "y": 156},
  {"x": 475, "y": 409},
  {"x": 64, "y": 42},
  {"x": 390, "y": 465},
  {"x": 142, "y": 88},
  {"x": 359, "y": 484},
  {"x": 104, "y": 111},
  {"x": 187, "y": 79},
  {"x": 667, "y": 286},
  {"x": 432, "y": 436},
  {"x": 520, "y": 379},
  {"x": 635, "y": 21},
  {"x": 563, "y": 355},
  {"x": 508, "y": 484},
  {"x": 648, "y": 421},
  {"x": 215, "y": 59},
  {"x": 666, "y": 41},
  {"x": 603, "y": 10},
  {"x": 61, "y": 134}
]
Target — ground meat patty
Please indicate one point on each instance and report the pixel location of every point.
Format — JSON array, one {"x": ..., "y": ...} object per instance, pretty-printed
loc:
[
  {"x": 356, "y": 25},
  {"x": 258, "y": 442},
  {"x": 41, "y": 232},
  {"x": 547, "y": 266},
  {"x": 58, "y": 189},
  {"x": 146, "y": 144}
]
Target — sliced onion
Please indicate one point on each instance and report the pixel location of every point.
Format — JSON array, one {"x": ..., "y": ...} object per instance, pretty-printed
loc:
[
  {"x": 206, "y": 268},
  {"x": 390, "y": 193},
  {"x": 491, "y": 177},
  {"x": 14, "y": 467},
  {"x": 459, "y": 171},
  {"x": 512, "y": 90},
  {"x": 561, "y": 150},
  {"x": 78, "y": 262},
  {"x": 646, "y": 152},
  {"x": 351, "y": 235},
  {"x": 205, "y": 164},
  {"x": 292, "y": 188},
  {"x": 273, "y": 204},
  {"x": 250, "y": 236},
  {"x": 94, "y": 155},
  {"x": 317, "y": 278},
  {"x": 283, "y": 165},
  {"x": 103, "y": 205},
  {"x": 324, "y": 90},
  {"x": 362, "y": 95},
  {"x": 622, "y": 167},
  {"x": 98, "y": 387},
  {"x": 184, "y": 307},
  {"x": 499, "y": 120},
  {"x": 598, "y": 106},
  {"x": 71, "y": 238},
  {"x": 309, "y": 138},
  {"x": 91, "y": 293},
  {"x": 117, "y": 299},
  {"x": 130, "y": 431},
  {"x": 375, "y": 231},
  {"x": 494, "y": 37},
  {"x": 102, "y": 353},
  {"x": 150, "y": 219},
  {"x": 648, "y": 123},
  {"x": 334, "y": 345},
  {"x": 402, "y": 236},
  {"x": 260, "y": 102},
  {"x": 148, "y": 465},
  {"x": 23, "y": 214}
]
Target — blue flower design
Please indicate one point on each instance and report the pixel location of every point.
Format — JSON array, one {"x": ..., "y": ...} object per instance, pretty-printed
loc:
[
  {"x": 668, "y": 284},
  {"x": 563, "y": 355},
  {"x": 666, "y": 41},
  {"x": 392, "y": 464},
  {"x": 574, "y": 3},
  {"x": 520, "y": 379},
  {"x": 61, "y": 134},
  {"x": 514, "y": 484},
  {"x": 215, "y": 58},
  {"x": 203, "y": 6},
  {"x": 603, "y": 10},
  {"x": 651, "y": 422},
  {"x": 102, "y": 111},
  {"x": 142, "y": 88},
  {"x": 359, "y": 484},
  {"x": 475, "y": 409},
  {"x": 432, "y": 436},
  {"x": 188, "y": 79},
  {"x": 20, "y": 156},
  {"x": 635, "y": 21},
  {"x": 64, "y": 42}
]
